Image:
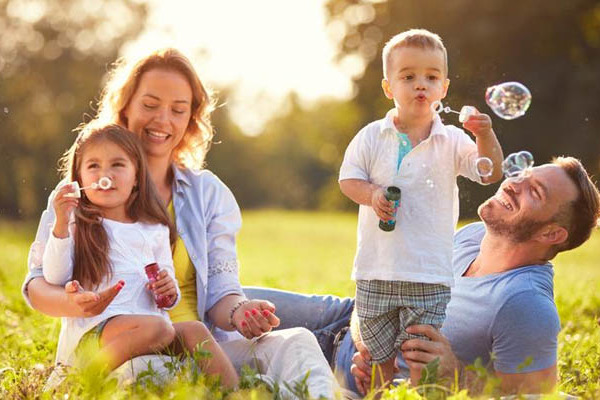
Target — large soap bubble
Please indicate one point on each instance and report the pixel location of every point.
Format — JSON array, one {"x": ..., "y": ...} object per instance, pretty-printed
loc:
[{"x": 508, "y": 100}]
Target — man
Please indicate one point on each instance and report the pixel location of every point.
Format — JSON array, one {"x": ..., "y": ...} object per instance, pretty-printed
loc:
[{"x": 502, "y": 302}]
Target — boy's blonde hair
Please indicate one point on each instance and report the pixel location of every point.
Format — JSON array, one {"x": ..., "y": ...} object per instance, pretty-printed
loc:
[{"x": 419, "y": 38}]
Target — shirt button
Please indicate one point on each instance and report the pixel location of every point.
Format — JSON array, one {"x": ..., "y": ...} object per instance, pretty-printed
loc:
[{"x": 193, "y": 256}]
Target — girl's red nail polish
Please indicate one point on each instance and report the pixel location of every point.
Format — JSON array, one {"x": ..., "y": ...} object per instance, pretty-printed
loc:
[
  {"x": 244, "y": 323},
  {"x": 254, "y": 312},
  {"x": 247, "y": 314},
  {"x": 266, "y": 313}
]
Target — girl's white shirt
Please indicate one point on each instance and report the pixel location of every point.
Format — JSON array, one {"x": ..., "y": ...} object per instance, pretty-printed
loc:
[{"x": 132, "y": 247}]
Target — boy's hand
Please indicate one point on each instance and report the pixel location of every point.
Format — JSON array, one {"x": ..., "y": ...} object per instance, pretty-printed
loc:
[
  {"x": 165, "y": 286},
  {"x": 478, "y": 124},
  {"x": 381, "y": 205},
  {"x": 63, "y": 207}
]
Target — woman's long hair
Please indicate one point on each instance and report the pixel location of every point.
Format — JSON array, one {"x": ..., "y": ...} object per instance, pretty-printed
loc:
[
  {"x": 91, "y": 256},
  {"x": 123, "y": 81}
]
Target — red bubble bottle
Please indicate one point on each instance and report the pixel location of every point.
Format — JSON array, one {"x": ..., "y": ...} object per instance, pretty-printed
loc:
[{"x": 162, "y": 301}]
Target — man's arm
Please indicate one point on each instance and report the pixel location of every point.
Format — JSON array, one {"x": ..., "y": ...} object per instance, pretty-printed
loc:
[
  {"x": 418, "y": 353},
  {"x": 542, "y": 381}
]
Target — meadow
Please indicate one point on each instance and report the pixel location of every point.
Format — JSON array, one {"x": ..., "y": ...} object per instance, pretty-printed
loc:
[{"x": 309, "y": 252}]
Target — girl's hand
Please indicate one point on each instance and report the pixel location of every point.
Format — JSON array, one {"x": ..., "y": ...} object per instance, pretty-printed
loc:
[
  {"x": 88, "y": 303},
  {"x": 63, "y": 207},
  {"x": 381, "y": 205},
  {"x": 478, "y": 124},
  {"x": 255, "y": 318},
  {"x": 165, "y": 286}
]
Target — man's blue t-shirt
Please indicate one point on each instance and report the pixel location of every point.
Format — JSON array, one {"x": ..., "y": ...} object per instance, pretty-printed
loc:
[{"x": 511, "y": 315}]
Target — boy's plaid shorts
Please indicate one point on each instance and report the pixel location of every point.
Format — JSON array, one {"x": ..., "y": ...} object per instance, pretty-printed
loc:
[{"x": 386, "y": 308}]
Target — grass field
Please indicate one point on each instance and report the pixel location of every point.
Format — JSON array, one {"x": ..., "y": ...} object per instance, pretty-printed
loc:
[{"x": 302, "y": 251}]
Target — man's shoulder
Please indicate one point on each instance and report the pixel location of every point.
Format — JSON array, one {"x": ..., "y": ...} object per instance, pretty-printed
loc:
[{"x": 472, "y": 232}]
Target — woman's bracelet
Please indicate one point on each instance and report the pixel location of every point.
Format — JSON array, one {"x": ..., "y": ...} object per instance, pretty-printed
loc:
[{"x": 234, "y": 309}]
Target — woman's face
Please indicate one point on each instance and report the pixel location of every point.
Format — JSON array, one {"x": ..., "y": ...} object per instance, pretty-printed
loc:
[{"x": 159, "y": 111}]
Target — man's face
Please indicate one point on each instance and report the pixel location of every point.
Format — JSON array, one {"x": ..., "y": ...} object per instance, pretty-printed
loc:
[{"x": 520, "y": 208}]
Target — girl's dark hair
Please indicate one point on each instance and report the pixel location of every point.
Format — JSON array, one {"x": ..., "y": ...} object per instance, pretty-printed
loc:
[{"x": 91, "y": 256}]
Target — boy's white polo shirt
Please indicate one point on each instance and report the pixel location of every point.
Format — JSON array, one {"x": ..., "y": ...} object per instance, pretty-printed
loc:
[{"x": 419, "y": 249}]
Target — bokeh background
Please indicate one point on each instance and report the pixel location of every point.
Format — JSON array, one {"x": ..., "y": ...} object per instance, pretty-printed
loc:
[{"x": 295, "y": 81}]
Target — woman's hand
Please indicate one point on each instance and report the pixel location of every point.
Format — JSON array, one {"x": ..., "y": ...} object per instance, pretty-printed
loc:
[
  {"x": 63, "y": 207},
  {"x": 255, "y": 317},
  {"x": 89, "y": 304},
  {"x": 164, "y": 286}
]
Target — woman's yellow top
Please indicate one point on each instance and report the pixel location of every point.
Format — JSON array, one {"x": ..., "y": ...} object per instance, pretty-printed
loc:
[{"x": 187, "y": 309}]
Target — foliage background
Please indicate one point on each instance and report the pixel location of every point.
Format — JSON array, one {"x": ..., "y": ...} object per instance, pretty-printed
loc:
[{"x": 54, "y": 54}]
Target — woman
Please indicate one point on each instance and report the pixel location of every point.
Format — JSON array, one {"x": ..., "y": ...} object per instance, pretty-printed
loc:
[{"x": 161, "y": 99}]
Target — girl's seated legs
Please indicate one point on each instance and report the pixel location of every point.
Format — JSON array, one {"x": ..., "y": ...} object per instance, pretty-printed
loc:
[
  {"x": 192, "y": 334},
  {"x": 127, "y": 336}
]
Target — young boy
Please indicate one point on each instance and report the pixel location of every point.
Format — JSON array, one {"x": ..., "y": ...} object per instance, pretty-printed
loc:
[{"x": 403, "y": 277}]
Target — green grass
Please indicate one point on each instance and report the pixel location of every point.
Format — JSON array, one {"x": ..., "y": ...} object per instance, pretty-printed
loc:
[{"x": 304, "y": 251}]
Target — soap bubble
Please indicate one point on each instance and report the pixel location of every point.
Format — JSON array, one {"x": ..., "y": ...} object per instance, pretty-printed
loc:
[
  {"x": 484, "y": 167},
  {"x": 104, "y": 183},
  {"x": 430, "y": 183},
  {"x": 524, "y": 159},
  {"x": 517, "y": 164},
  {"x": 437, "y": 107},
  {"x": 508, "y": 100}
]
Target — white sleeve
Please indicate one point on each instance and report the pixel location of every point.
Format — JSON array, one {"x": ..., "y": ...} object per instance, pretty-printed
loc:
[
  {"x": 465, "y": 155},
  {"x": 224, "y": 221},
  {"x": 36, "y": 250},
  {"x": 357, "y": 160},
  {"x": 58, "y": 259},
  {"x": 164, "y": 258}
]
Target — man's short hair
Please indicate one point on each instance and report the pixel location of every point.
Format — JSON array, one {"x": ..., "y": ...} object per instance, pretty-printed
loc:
[
  {"x": 581, "y": 215},
  {"x": 419, "y": 38}
]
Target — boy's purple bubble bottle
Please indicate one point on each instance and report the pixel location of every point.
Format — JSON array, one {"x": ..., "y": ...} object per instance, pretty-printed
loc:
[
  {"x": 162, "y": 301},
  {"x": 392, "y": 193}
]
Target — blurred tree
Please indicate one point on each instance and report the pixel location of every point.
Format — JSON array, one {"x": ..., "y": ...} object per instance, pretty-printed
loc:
[
  {"x": 552, "y": 46},
  {"x": 293, "y": 163},
  {"x": 52, "y": 56}
]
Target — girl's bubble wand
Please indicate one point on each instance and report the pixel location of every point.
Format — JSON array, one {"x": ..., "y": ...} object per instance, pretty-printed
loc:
[{"x": 103, "y": 183}]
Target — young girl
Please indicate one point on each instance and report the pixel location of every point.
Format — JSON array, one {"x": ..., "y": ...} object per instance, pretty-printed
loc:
[{"x": 115, "y": 233}]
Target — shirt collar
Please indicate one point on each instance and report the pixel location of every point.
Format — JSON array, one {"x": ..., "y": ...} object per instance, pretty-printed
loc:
[
  {"x": 387, "y": 125},
  {"x": 179, "y": 178}
]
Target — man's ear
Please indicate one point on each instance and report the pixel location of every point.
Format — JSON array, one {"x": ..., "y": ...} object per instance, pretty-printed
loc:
[
  {"x": 552, "y": 234},
  {"x": 385, "y": 85}
]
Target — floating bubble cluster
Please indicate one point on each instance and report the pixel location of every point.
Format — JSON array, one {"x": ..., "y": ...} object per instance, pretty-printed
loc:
[
  {"x": 484, "y": 167},
  {"x": 508, "y": 100},
  {"x": 516, "y": 164}
]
